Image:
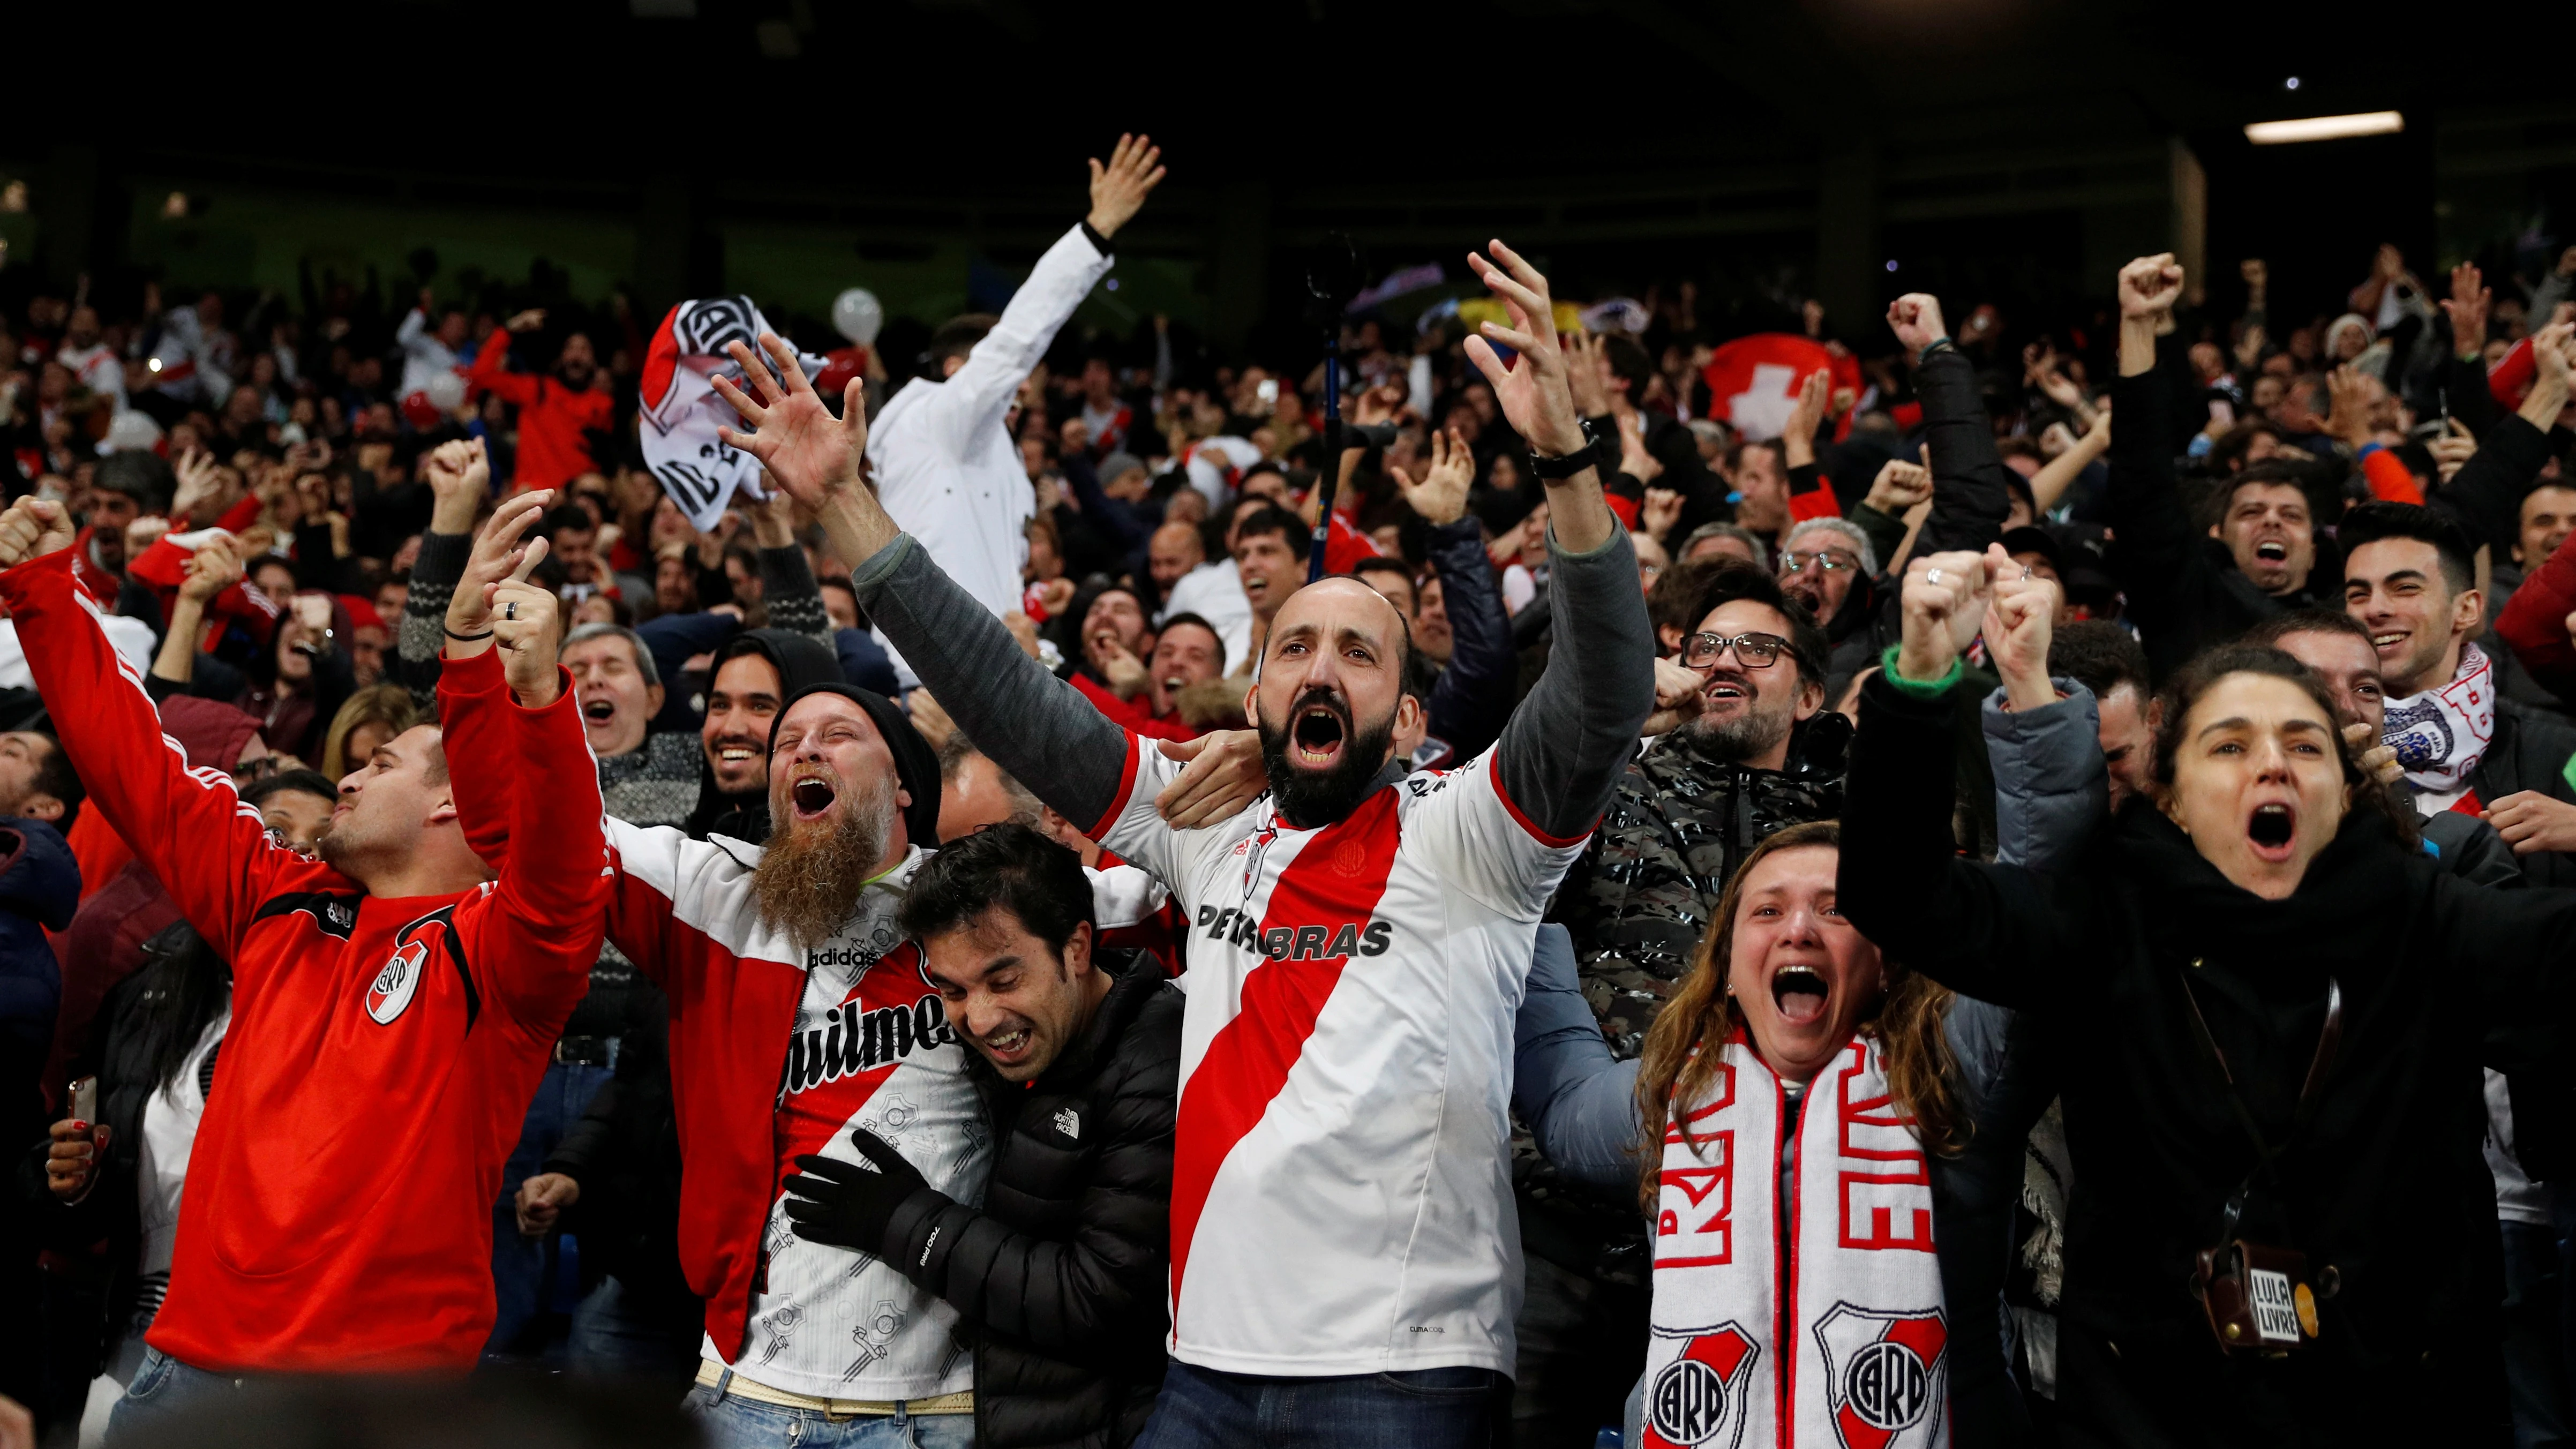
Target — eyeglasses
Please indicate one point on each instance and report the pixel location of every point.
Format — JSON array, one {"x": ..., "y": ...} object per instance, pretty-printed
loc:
[
  {"x": 1753, "y": 650},
  {"x": 252, "y": 771},
  {"x": 1792, "y": 564}
]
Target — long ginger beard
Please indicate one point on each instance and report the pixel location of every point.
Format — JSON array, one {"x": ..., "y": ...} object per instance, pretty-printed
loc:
[{"x": 812, "y": 872}]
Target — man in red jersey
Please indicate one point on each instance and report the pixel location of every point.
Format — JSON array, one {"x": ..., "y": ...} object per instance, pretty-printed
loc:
[{"x": 393, "y": 1002}]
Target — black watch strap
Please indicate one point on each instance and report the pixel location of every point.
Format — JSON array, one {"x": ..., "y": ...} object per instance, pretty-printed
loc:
[{"x": 1589, "y": 455}]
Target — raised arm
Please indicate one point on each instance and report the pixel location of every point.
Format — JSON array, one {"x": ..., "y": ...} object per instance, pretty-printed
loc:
[
  {"x": 787, "y": 586},
  {"x": 516, "y": 749},
  {"x": 459, "y": 476},
  {"x": 1969, "y": 496},
  {"x": 2486, "y": 494},
  {"x": 2153, "y": 549},
  {"x": 981, "y": 390},
  {"x": 1475, "y": 694},
  {"x": 1564, "y": 747},
  {"x": 208, "y": 848},
  {"x": 491, "y": 371}
]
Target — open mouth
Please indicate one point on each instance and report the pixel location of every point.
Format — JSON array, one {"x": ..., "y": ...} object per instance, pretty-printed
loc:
[
  {"x": 1799, "y": 994},
  {"x": 1318, "y": 735},
  {"x": 2271, "y": 830},
  {"x": 1008, "y": 1042},
  {"x": 2387, "y": 644},
  {"x": 1726, "y": 689},
  {"x": 599, "y": 711},
  {"x": 811, "y": 796},
  {"x": 1174, "y": 683},
  {"x": 736, "y": 752},
  {"x": 2272, "y": 550}
]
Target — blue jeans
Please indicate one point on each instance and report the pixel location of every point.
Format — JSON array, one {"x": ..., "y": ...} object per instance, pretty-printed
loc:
[
  {"x": 1442, "y": 1408},
  {"x": 519, "y": 1264},
  {"x": 610, "y": 1336},
  {"x": 164, "y": 1390},
  {"x": 732, "y": 1422}
]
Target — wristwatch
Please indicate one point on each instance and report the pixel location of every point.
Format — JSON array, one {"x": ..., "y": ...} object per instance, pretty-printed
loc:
[{"x": 1569, "y": 464}]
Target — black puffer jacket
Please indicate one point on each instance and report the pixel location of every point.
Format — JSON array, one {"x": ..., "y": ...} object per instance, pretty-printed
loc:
[{"x": 1061, "y": 1274}]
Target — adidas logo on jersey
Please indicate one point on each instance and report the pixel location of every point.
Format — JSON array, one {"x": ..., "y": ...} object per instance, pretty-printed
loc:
[
  {"x": 1298, "y": 943},
  {"x": 853, "y": 1040}
]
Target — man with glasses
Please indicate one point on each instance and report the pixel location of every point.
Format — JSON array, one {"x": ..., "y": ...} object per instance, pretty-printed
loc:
[
  {"x": 1755, "y": 751},
  {"x": 1819, "y": 563}
]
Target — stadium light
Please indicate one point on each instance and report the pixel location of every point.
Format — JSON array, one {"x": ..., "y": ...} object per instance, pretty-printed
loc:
[{"x": 2325, "y": 128}]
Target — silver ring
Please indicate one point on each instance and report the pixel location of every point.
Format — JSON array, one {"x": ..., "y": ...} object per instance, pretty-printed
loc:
[
  {"x": 1931, "y": 576},
  {"x": 510, "y": 611},
  {"x": 2025, "y": 571}
]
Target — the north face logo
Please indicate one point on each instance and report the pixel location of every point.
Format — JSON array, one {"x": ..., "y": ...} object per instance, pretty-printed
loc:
[{"x": 394, "y": 985}]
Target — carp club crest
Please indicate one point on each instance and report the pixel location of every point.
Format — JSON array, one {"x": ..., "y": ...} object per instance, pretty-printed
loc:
[
  {"x": 392, "y": 989},
  {"x": 1698, "y": 1399},
  {"x": 1884, "y": 1376}
]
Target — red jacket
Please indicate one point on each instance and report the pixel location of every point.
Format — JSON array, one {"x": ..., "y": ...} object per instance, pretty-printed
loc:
[
  {"x": 554, "y": 420},
  {"x": 2534, "y": 622},
  {"x": 382, "y": 1052}
]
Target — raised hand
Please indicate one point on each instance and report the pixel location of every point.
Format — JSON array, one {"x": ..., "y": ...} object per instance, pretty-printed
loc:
[
  {"x": 1663, "y": 509},
  {"x": 1536, "y": 394},
  {"x": 1898, "y": 487},
  {"x": 198, "y": 479},
  {"x": 1634, "y": 460},
  {"x": 2467, "y": 309},
  {"x": 2021, "y": 617},
  {"x": 498, "y": 555},
  {"x": 1943, "y": 595},
  {"x": 527, "y": 321},
  {"x": 2149, "y": 286},
  {"x": 459, "y": 476},
  {"x": 2370, "y": 755},
  {"x": 2453, "y": 449},
  {"x": 1441, "y": 496},
  {"x": 1584, "y": 361},
  {"x": 2350, "y": 390},
  {"x": 1118, "y": 664},
  {"x": 1119, "y": 189},
  {"x": 813, "y": 455},
  {"x": 32, "y": 528},
  {"x": 1916, "y": 318},
  {"x": 523, "y": 624},
  {"x": 1798, "y": 440}
]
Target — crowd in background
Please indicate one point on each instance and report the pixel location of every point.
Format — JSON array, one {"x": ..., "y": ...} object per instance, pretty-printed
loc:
[{"x": 277, "y": 504}]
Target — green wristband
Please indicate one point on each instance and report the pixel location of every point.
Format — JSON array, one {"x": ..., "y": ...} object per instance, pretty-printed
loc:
[{"x": 1920, "y": 689}]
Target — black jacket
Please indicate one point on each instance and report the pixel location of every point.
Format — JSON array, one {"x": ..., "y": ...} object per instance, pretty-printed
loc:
[
  {"x": 120, "y": 1056},
  {"x": 1061, "y": 1274},
  {"x": 2386, "y": 1185}
]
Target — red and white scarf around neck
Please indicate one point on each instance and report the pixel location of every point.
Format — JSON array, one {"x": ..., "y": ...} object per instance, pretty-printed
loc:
[
  {"x": 1832, "y": 1335},
  {"x": 2441, "y": 735}
]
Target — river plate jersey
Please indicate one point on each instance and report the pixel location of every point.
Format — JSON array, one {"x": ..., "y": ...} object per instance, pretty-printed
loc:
[{"x": 1341, "y": 1196}]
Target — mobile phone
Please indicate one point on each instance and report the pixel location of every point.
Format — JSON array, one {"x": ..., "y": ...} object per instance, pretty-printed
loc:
[{"x": 85, "y": 1100}]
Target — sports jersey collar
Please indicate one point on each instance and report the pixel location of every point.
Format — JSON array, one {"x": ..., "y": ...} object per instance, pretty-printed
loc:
[{"x": 1393, "y": 774}]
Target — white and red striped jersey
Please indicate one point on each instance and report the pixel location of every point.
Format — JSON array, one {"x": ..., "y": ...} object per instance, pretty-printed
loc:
[
  {"x": 1341, "y": 1196},
  {"x": 870, "y": 1046}
]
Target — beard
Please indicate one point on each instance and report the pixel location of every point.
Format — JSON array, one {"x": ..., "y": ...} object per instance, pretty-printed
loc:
[
  {"x": 1309, "y": 798},
  {"x": 1755, "y": 732},
  {"x": 812, "y": 873}
]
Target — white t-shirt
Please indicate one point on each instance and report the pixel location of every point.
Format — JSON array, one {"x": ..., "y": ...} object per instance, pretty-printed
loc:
[
  {"x": 170, "y": 1118},
  {"x": 1342, "y": 1196},
  {"x": 1214, "y": 592}
]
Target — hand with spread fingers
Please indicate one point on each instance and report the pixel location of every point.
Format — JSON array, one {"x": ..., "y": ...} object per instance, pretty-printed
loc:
[
  {"x": 1119, "y": 189},
  {"x": 1441, "y": 496},
  {"x": 1224, "y": 774},
  {"x": 1535, "y": 393},
  {"x": 851, "y": 1204},
  {"x": 813, "y": 455},
  {"x": 498, "y": 557}
]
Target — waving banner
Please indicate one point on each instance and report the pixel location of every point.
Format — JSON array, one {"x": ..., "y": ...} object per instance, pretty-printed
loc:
[{"x": 681, "y": 410}]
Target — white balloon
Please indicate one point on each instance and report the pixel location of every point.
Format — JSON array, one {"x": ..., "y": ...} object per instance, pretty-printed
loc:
[
  {"x": 856, "y": 315},
  {"x": 446, "y": 391}
]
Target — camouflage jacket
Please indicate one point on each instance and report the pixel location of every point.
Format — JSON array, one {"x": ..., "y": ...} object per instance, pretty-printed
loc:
[{"x": 1641, "y": 897}]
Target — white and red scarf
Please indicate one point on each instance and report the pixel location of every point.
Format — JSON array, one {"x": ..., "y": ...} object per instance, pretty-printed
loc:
[
  {"x": 1842, "y": 1341},
  {"x": 2442, "y": 734},
  {"x": 681, "y": 409}
]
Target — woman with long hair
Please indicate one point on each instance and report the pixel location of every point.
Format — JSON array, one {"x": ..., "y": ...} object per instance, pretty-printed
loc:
[
  {"x": 368, "y": 720},
  {"x": 2273, "y": 1012},
  {"x": 1793, "y": 1092}
]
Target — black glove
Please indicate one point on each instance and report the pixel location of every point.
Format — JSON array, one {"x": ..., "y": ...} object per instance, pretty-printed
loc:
[{"x": 846, "y": 1204}]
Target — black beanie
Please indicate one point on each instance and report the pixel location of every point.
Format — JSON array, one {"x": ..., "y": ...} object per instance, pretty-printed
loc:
[{"x": 916, "y": 764}]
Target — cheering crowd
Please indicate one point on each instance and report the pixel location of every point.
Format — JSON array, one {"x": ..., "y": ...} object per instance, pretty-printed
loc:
[{"x": 2007, "y": 895}]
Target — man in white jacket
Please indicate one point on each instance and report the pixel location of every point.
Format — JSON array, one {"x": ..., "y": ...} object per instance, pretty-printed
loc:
[{"x": 943, "y": 463}]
